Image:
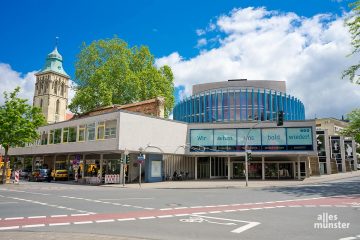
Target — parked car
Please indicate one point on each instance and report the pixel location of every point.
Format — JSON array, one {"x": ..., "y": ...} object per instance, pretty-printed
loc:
[
  {"x": 25, "y": 174},
  {"x": 61, "y": 174},
  {"x": 39, "y": 175}
]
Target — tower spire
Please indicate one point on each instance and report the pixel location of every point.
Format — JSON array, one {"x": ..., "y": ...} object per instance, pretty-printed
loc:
[{"x": 56, "y": 42}]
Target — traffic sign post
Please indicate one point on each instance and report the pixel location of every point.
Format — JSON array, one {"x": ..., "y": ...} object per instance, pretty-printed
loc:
[{"x": 141, "y": 159}]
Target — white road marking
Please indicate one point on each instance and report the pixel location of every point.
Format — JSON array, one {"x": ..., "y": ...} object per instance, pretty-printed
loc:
[
  {"x": 80, "y": 214},
  {"x": 199, "y": 213},
  {"x": 243, "y": 209},
  {"x": 126, "y": 219},
  {"x": 37, "y": 217},
  {"x": 83, "y": 222},
  {"x": 246, "y": 227},
  {"x": 105, "y": 221},
  {"x": 56, "y": 216},
  {"x": 165, "y": 209},
  {"x": 14, "y": 218},
  {"x": 230, "y": 211},
  {"x": 182, "y": 214},
  {"x": 59, "y": 224},
  {"x": 149, "y": 208},
  {"x": 215, "y": 212},
  {"x": 309, "y": 205},
  {"x": 145, "y": 218},
  {"x": 295, "y": 206},
  {"x": 280, "y": 206},
  {"x": 256, "y": 208},
  {"x": 348, "y": 238},
  {"x": 269, "y": 207},
  {"x": 181, "y": 207},
  {"x": 325, "y": 205},
  {"x": 34, "y": 225},
  {"x": 8, "y": 228},
  {"x": 341, "y": 206},
  {"x": 164, "y": 216}
]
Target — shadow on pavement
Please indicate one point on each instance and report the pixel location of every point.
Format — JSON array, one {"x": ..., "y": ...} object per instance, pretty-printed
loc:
[{"x": 348, "y": 187}]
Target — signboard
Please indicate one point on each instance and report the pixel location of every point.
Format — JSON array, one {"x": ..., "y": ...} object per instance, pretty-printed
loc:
[
  {"x": 225, "y": 137},
  {"x": 251, "y": 137},
  {"x": 155, "y": 168},
  {"x": 299, "y": 136},
  {"x": 270, "y": 139},
  {"x": 273, "y": 137},
  {"x": 202, "y": 137},
  {"x": 141, "y": 158}
]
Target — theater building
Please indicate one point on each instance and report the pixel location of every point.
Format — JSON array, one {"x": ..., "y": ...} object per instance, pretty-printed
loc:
[{"x": 206, "y": 139}]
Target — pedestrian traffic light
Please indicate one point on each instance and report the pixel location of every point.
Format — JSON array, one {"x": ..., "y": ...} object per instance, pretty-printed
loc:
[
  {"x": 280, "y": 118},
  {"x": 249, "y": 157}
]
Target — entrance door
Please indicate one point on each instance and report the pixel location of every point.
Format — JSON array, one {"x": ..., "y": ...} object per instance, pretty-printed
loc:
[
  {"x": 238, "y": 170},
  {"x": 204, "y": 170}
]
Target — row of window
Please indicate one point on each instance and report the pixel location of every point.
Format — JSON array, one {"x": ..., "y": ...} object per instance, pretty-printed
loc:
[{"x": 86, "y": 132}]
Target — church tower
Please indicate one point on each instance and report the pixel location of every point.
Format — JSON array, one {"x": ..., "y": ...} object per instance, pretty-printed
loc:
[{"x": 51, "y": 88}]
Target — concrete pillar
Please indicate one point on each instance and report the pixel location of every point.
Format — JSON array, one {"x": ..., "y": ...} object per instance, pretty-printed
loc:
[
  {"x": 196, "y": 165},
  {"x": 327, "y": 151},
  {"x": 342, "y": 151},
  {"x": 228, "y": 167},
  {"x": 294, "y": 169},
  {"x": 210, "y": 167},
  {"x": 298, "y": 168},
  {"x": 83, "y": 169},
  {"x": 307, "y": 167},
  {"x": 354, "y": 155},
  {"x": 101, "y": 166},
  {"x": 278, "y": 170},
  {"x": 263, "y": 167}
]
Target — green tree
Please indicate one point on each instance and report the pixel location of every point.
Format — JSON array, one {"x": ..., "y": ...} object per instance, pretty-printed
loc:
[
  {"x": 18, "y": 124},
  {"x": 109, "y": 72},
  {"x": 353, "y": 130},
  {"x": 354, "y": 28}
]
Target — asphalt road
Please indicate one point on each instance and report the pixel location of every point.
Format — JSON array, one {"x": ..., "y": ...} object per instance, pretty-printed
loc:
[{"x": 57, "y": 210}]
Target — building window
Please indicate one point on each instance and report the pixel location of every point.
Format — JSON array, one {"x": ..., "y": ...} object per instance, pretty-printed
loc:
[
  {"x": 51, "y": 137},
  {"x": 81, "y": 134},
  {"x": 72, "y": 134},
  {"x": 101, "y": 130},
  {"x": 57, "y": 106},
  {"x": 110, "y": 129},
  {"x": 65, "y": 135},
  {"x": 41, "y": 103},
  {"x": 57, "y": 136},
  {"x": 44, "y": 138},
  {"x": 91, "y": 132}
]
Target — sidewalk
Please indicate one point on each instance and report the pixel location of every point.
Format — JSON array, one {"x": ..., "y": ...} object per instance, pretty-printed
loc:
[{"x": 209, "y": 184}]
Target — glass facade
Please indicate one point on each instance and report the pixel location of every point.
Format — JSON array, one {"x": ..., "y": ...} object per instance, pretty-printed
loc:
[{"x": 228, "y": 105}]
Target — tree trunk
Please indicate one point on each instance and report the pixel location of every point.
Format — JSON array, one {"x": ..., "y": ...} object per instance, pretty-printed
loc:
[{"x": 3, "y": 177}]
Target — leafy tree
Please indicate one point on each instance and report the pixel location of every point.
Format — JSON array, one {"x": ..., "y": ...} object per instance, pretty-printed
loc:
[
  {"x": 18, "y": 123},
  {"x": 354, "y": 27},
  {"x": 109, "y": 72},
  {"x": 353, "y": 129}
]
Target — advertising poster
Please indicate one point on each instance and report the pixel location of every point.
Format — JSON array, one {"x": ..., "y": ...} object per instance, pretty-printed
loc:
[
  {"x": 225, "y": 137},
  {"x": 335, "y": 147},
  {"x": 348, "y": 149},
  {"x": 299, "y": 138},
  {"x": 320, "y": 142},
  {"x": 250, "y": 137},
  {"x": 201, "y": 137},
  {"x": 273, "y": 139}
]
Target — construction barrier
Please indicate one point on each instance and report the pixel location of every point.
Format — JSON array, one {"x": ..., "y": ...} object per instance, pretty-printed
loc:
[
  {"x": 17, "y": 177},
  {"x": 112, "y": 178}
]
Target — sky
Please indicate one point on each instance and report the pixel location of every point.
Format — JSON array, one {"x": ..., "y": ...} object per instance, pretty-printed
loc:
[{"x": 304, "y": 43}]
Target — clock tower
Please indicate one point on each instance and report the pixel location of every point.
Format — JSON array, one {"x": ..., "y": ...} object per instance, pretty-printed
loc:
[{"x": 51, "y": 88}]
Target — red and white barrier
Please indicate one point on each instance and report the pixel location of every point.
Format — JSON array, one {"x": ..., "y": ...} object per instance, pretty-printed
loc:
[
  {"x": 17, "y": 177},
  {"x": 112, "y": 178}
]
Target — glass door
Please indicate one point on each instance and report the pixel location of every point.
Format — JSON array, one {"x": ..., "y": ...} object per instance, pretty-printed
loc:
[{"x": 238, "y": 170}]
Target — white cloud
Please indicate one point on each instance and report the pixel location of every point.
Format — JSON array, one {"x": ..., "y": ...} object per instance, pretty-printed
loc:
[
  {"x": 201, "y": 42},
  {"x": 308, "y": 53},
  {"x": 10, "y": 79}
]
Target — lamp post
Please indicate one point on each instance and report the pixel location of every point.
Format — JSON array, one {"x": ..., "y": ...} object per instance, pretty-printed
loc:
[{"x": 246, "y": 154}]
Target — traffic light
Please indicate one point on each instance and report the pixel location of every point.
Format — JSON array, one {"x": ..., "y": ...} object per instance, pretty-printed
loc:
[
  {"x": 127, "y": 159},
  {"x": 280, "y": 118},
  {"x": 249, "y": 157}
]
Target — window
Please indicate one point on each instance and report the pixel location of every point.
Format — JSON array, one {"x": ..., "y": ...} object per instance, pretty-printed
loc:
[
  {"x": 65, "y": 135},
  {"x": 91, "y": 132},
  {"x": 57, "y": 136},
  {"x": 41, "y": 103},
  {"x": 72, "y": 134},
  {"x": 101, "y": 130},
  {"x": 110, "y": 129},
  {"x": 81, "y": 135},
  {"x": 44, "y": 138},
  {"x": 57, "y": 106},
  {"x": 51, "y": 137}
]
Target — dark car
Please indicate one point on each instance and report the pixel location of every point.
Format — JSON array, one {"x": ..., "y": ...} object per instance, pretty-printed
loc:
[
  {"x": 40, "y": 175},
  {"x": 25, "y": 174}
]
